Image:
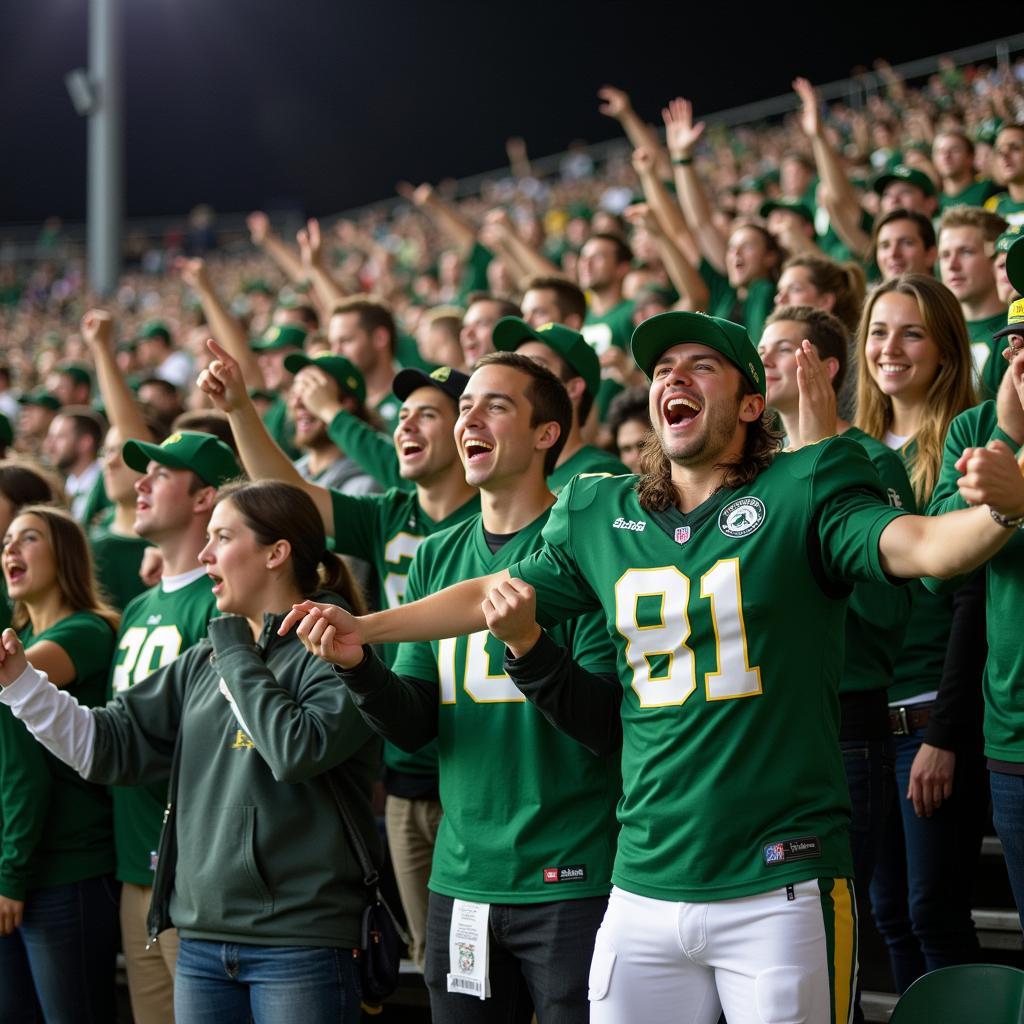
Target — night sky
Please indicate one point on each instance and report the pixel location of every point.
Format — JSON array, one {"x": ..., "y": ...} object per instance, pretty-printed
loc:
[{"x": 324, "y": 104}]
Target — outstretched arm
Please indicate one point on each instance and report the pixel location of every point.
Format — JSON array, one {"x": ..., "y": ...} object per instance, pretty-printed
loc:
[
  {"x": 616, "y": 104},
  {"x": 459, "y": 231},
  {"x": 328, "y": 292},
  {"x": 265, "y": 239},
  {"x": 691, "y": 286}
]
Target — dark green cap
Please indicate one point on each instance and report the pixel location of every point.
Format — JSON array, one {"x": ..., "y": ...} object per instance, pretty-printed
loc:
[
  {"x": 280, "y": 336},
  {"x": 1008, "y": 237},
  {"x": 661, "y": 332},
  {"x": 155, "y": 329},
  {"x": 41, "y": 398},
  {"x": 341, "y": 369},
  {"x": 793, "y": 205},
  {"x": 76, "y": 371},
  {"x": 911, "y": 175},
  {"x": 207, "y": 456},
  {"x": 6, "y": 432},
  {"x": 510, "y": 332},
  {"x": 257, "y": 285}
]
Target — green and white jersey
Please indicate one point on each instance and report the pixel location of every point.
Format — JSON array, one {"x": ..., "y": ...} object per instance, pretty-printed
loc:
[
  {"x": 1004, "y": 581},
  {"x": 1009, "y": 209},
  {"x": 387, "y": 530},
  {"x": 156, "y": 627},
  {"x": 607, "y": 329},
  {"x": 117, "y": 560},
  {"x": 529, "y": 814},
  {"x": 587, "y": 460},
  {"x": 728, "y": 624},
  {"x": 987, "y": 353},
  {"x": 877, "y": 617}
]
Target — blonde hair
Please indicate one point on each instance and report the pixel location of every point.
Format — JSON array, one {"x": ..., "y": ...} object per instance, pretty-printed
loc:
[{"x": 950, "y": 393}]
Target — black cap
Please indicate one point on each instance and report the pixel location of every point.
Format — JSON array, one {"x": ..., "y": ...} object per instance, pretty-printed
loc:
[{"x": 444, "y": 378}]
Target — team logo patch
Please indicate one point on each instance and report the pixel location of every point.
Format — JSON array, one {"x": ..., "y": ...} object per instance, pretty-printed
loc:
[
  {"x": 894, "y": 499},
  {"x": 790, "y": 850},
  {"x": 636, "y": 525},
  {"x": 682, "y": 534},
  {"x": 167, "y": 441},
  {"x": 467, "y": 957},
  {"x": 442, "y": 373},
  {"x": 741, "y": 517},
  {"x": 569, "y": 873}
]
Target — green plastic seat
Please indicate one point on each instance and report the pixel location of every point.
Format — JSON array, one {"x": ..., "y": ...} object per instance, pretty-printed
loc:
[{"x": 967, "y": 994}]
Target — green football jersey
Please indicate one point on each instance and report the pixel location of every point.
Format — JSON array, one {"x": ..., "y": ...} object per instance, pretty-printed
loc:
[
  {"x": 117, "y": 559},
  {"x": 529, "y": 814},
  {"x": 723, "y": 301},
  {"x": 607, "y": 329},
  {"x": 987, "y": 353},
  {"x": 878, "y": 613},
  {"x": 386, "y": 530},
  {"x": 728, "y": 623},
  {"x": 974, "y": 195},
  {"x": 1009, "y": 209},
  {"x": 280, "y": 427},
  {"x": 1004, "y": 575},
  {"x": 587, "y": 460},
  {"x": 156, "y": 627}
]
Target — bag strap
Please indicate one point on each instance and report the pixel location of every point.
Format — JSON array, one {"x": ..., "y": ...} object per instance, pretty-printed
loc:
[{"x": 371, "y": 876}]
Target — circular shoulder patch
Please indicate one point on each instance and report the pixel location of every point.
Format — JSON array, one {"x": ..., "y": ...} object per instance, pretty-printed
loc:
[{"x": 741, "y": 517}]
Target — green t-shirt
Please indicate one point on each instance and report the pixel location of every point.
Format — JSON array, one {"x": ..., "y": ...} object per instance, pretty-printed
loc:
[
  {"x": 1004, "y": 575},
  {"x": 724, "y": 301},
  {"x": 117, "y": 560},
  {"x": 728, "y": 623},
  {"x": 878, "y": 613},
  {"x": 156, "y": 627},
  {"x": 987, "y": 353},
  {"x": 474, "y": 274},
  {"x": 407, "y": 353},
  {"x": 280, "y": 427},
  {"x": 77, "y": 840},
  {"x": 612, "y": 328},
  {"x": 974, "y": 195},
  {"x": 545, "y": 802},
  {"x": 1009, "y": 209},
  {"x": 587, "y": 460},
  {"x": 388, "y": 409},
  {"x": 387, "y": 530}
]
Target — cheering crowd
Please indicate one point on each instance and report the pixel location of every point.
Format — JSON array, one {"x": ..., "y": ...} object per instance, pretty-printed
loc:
[{"x": 285, "y": 518}]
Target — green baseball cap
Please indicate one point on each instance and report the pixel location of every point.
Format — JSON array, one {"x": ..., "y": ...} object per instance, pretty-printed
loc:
[
  {"x": 155, "y": 329},
  {"x": 1015, "y": 264},
  {"x": 42, "y": 398},
  {"x": 257, "y": 286},
  {"x": 341, "y": 369},
  {"x": 207, "y": 456},
  {"x": 510, "y": 332},
  {"x": 6, "y": 432},
  {"x": 911, "y": 175},
  {"x": 664, "y": 330},
  {"x": 792, "y": 205},
  {"x": 76, "y": 371},
  {"x": 1008, "y": 237},
  {"x": 280, "y": 336}
]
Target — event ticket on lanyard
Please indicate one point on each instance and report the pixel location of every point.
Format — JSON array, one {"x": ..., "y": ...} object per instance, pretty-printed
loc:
[{"x": 469, "y": 949}]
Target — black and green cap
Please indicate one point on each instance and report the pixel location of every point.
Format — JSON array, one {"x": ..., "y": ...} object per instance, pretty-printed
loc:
[
  {"x": 341, "y": 369},
  {"x": 280, "y": 336},
  {"x": 155, "y": 329},
  {"x": 661, "y": 332},
  {"x": 207, "y": 456},
  {"x": 510, "y": 332},
  {"x": 6, "y": 432},
  {"x": 1015, "y": 263},
  {"x": 42, "y": 398},
  {"x": 801, "y": 209},
  {"x": 444, "y": 378},
  {"x": 911, "y": 175},
  {"x": 1014, "y": 320}
]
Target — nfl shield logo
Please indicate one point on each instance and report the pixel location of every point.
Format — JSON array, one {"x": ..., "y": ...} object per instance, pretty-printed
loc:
[{"x": 682, "y": 534}]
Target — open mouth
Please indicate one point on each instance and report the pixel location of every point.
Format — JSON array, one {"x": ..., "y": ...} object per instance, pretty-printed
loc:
[
  {"x": 15, "y": 572},
  {"x": 217, "y": 581},
  {"x": 476, "y": 449},
  {"x": 410, "y": 448},
  {"x": 892, "y": 369},
  {"x": 680, "y": 409}
]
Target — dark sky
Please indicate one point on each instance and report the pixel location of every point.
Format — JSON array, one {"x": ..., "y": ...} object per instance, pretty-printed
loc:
[{"x": 323, "y": 104}]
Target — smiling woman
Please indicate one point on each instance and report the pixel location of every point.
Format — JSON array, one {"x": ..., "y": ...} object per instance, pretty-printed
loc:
[
  {"x": 253, "y": 861},
  {"x": 58, "y": 898}
]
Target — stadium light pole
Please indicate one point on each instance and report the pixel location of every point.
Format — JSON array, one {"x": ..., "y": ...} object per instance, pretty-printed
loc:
[{"x": 106, "y": 155}]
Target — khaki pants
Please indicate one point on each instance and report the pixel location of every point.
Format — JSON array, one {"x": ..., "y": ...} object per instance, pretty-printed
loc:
[
  {"x": 412, "y": 829},
  {"x": 150, "y": 972}
]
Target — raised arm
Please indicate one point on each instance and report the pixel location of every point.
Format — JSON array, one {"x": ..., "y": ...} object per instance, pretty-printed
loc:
[
  {"x": 265, "y": 239},
  {"x": 616, "y": 104},
  {"x": 226, "y": 329},
  {"x": 459, "y": 231},
  {"x": 327, "y": 290},
  {"x": 683, "y": 275},
  {"x": 123, "y": 411},
  {"x": 682, "y": 136},
  {"x": 524, "y": 259},
  {"x": 667, "y": 210}
]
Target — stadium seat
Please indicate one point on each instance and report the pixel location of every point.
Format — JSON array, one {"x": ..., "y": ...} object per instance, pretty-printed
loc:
[{"x": 966, "y": 994}]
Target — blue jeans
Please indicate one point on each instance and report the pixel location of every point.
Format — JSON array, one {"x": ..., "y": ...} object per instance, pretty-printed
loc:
[
  {"x": 869, "y": 774},
  {"x": 59, "y": 965},
  {"x": 1008, "y": 818},
  {"x": 539, "y": 959},
  {"x": 923, "y": 885},
  {"x": 225, "y": 982}
]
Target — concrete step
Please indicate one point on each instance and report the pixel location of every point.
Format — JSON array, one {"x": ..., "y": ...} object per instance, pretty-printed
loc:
[
  {"x": 877, "y": 1006},
  {"x": 992, "y": 846},
  {"x": 998, "y": 929}
]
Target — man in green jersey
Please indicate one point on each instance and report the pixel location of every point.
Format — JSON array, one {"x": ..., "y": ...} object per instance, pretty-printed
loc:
[
  {"x": 523, "y": 853},
  {"x": 176, "y": 492},
  {"x": 967, "y": 239},
  {"x": 953, "y": 157},
  {"x": 1009, "y": 168},
  {"x": 567, "y": 355},
  {"x": 722, "y": 575},
  {"x": 605, "y": 260},
  {"x": 385, "y": 530}
]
